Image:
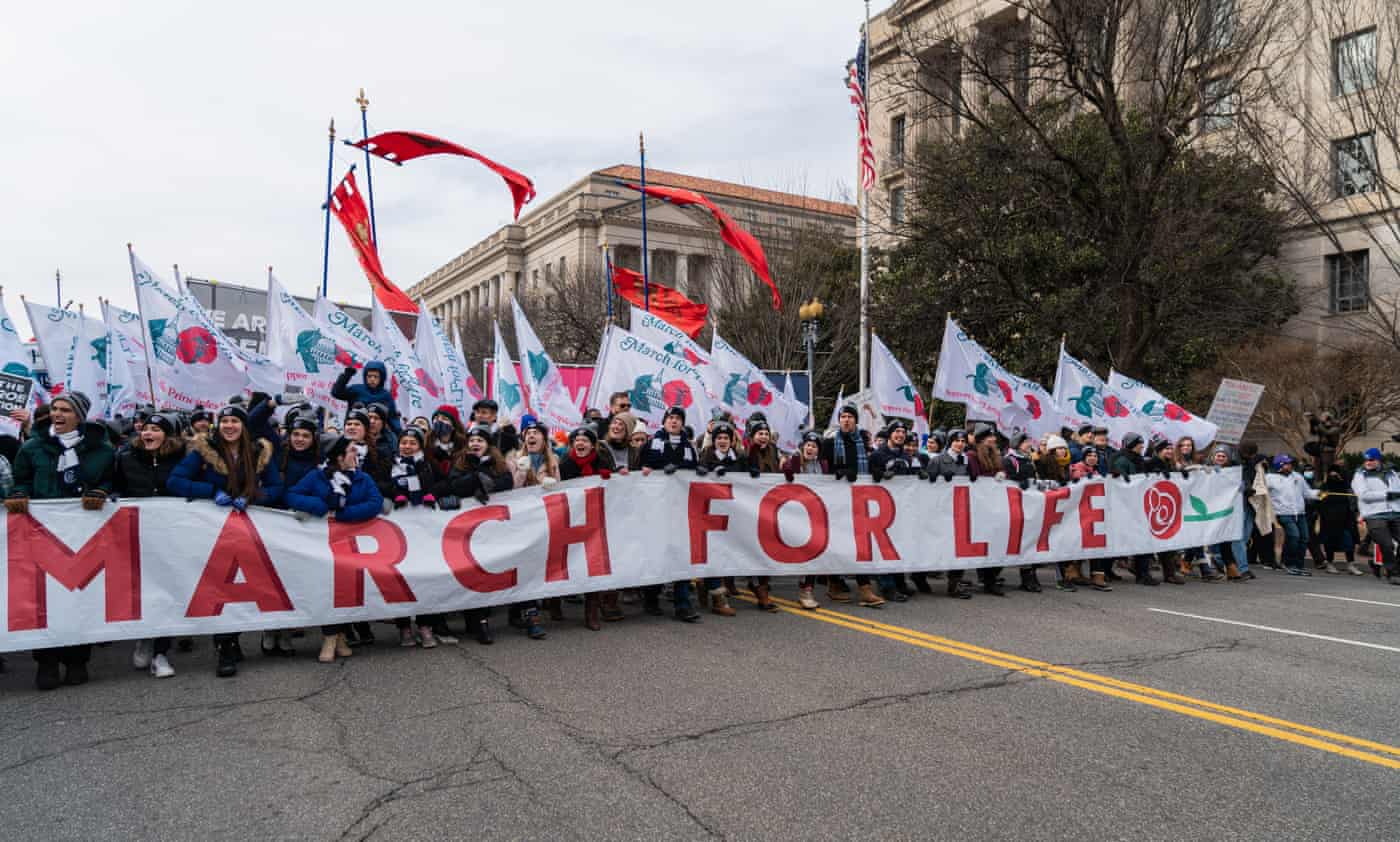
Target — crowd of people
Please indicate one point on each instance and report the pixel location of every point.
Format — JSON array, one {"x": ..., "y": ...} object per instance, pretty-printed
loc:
[{"x": 370, "y": 462}]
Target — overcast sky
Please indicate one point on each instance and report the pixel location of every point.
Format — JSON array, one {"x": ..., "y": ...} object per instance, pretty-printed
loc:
[{"x": 198, "y": 131}]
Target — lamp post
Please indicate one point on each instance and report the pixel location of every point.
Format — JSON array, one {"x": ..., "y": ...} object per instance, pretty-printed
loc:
[{"x": 810, "y": 314}]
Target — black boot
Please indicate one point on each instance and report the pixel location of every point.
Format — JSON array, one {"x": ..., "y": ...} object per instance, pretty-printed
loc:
[
  {"x": 651, "y": 601},
  {"x": 921, "y": 582},
  {"x": 47, "y": 676},
  {"x": 484, "y": 635},
  {"x": 1028, "y": 581},
  {"x": 228, "y": 661}
]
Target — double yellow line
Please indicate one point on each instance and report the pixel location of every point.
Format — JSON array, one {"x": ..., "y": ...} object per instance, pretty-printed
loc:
[{"x": 1280, "y": 729}]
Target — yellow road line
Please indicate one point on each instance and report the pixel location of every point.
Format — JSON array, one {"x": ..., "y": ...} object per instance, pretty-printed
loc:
[{"x": 1269, "y": 726}]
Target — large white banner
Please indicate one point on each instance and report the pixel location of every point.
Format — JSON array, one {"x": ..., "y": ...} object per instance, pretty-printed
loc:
[
  {"x": 969, "y": 375},
  {"x": 1167, "y": 419},
  {"x": 158, "y": 567}
]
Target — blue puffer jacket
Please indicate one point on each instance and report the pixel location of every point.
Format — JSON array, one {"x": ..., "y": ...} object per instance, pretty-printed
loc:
[
  {"x": 313, "y": 496},
  {"x": 202, "y": 474},
  {"x": 297, "y": 464},
  {"x": 353, "y": 393}
]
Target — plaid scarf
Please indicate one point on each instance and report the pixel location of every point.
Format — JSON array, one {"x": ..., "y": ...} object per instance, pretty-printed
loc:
[{"x": 862, "y": 464}]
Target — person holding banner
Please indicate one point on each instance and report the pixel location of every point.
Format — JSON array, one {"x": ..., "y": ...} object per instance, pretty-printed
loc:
[
  {"x": 1019, "y": 466},
  {"x": 230, "y": 468},
  {"x": 617, "y": 442},
  {"x": 762, "y": 457},
  {"x": 536, "y": 464},
  {"x": 892, "y": 461},
  {"x": 585, "y": 458},
  {"x": 987, "y": 462},
  {"x": 341, "y": 491},
  {"x": 479, "y": 471},
  {"x": 847, "y": 453},
  {"x": 447, "y": 438},
  {"x": 670, "y": 450},
  {"x": 1289, "y": 493},
  {"x": 950, "y": 463},
  {"x": 64, "y": 457},
  {"x": 143, "y": 468}
]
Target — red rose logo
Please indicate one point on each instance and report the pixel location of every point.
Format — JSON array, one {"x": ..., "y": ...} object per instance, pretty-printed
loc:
[
  {"x": 1162, "y": 504},
  {"x": 759, "y": 396},
  {"x": 677, "y": 393},
  {"x": 1033, "y": 406},
  {"x": 1176, "y": 413},
  {"x": 196, "y": 346},
  {"x": 429, "y": 385},
  {"x": 345, "y": 358},
  {"x": 1005, "y": 391},
  {"x": 1114, "y": 408}
]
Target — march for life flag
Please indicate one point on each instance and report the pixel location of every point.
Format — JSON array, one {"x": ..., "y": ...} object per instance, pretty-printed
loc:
[
  {"x": 969, "y": 375},
  {"x": 745, "y": 389},
  {"x": 894, "y": 389},
  {"x": 347, "y": 334},
  {"x": 652, "y": 377},
  {"x": 510, "y": 397},
  {"x": 14, "y": 360},
  {"x": 549, "y": 397},
  {"x": 1167, "y": 419},
  {"x": 414, "y": 393},
  {"x": 128, "y": 387},
  {"x": 1089, "y": 400},
  {"x": 74, "y": 348},
  {"x": 474, "y": 392},
  {"x": 439, "y": 359},
  {"x": 309, "y": 359}
]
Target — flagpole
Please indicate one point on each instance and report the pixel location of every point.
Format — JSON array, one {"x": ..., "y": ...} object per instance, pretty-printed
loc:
[
  {"x": 145, "y": 331},
  {"x": 865, "y": 238},
  {"x": 58, "y": 286},
  {"x": 646, "y": 276},
  {"x": 363, "y": 102},
  {"x": 607, "y": 277},
  {"x": 326, "y": 241}
]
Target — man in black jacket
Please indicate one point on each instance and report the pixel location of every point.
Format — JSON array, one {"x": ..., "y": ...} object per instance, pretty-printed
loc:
[
  {"x": 671, "y": 450},
  {"x": 848, "y": 454}
]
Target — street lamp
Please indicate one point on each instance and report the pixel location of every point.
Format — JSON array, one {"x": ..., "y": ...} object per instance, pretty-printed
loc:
[{"x": 810, "y": 314}]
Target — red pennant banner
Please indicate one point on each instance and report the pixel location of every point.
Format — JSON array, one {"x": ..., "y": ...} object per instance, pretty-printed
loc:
[
  {"x": 349, "y": 207},
  {"x": 665, "y": 303},
  {"x": 405, "y": 146}
]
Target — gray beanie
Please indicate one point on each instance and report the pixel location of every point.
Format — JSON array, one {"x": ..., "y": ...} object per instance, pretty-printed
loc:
[{"x": 80, "y": 402}]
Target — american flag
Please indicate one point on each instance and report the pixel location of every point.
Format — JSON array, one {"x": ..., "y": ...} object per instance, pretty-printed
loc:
[{"x": 856, "y": 81}]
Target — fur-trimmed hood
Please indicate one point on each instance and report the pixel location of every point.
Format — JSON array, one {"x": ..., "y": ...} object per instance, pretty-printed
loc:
[{"x": 204, "y": 446}]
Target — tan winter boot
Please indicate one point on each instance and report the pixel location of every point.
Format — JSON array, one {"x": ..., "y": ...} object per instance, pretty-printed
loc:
[
  {"x": 1100, "y": 583},
  {"x": 868, "y": 598},
  {"x": 765, "y": 602},
  {"x": 327, "y": 655},
  {"x": 342, "y": 646},
  {"x": 1232, "y": 572},
  {"x": 805, "y": 598},
  {"x": 1074, "y": 572},
  {"x": 719, "y": 604}
]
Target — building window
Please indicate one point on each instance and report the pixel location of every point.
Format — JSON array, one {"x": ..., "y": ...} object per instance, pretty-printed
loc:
[
  {"x": 1348, "y": 281},
  {"x": 1218, "y": 20},
  {"x": 563, "y": 268},
  {"x": 534, "y": 279},
  {"x": 1354, "y": 164},
  {"x": 1218, "y": 104},
  {"x": 897, "y": 141},
  {"x": 1354, "y": 62},
  {"x": 897, "y": 206}
]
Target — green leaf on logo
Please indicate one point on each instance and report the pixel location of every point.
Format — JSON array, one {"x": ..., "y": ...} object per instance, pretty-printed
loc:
[{"x": 1199, "y": 505}]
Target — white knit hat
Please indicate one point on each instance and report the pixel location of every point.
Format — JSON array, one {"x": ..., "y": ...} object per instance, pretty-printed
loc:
[{"x": 1054, "y": 441}]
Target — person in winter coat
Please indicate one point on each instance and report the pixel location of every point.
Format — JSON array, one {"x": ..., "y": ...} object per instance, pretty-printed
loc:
[
  {"x": 446, "y": 439},
  {"x": 1233, "y": 554},
  {"x": 721, "y": 456},
  {"x": 1052, "y": 471},
  {"x": 375, "y": 456},
  {"x": 670, "y": 450},
  {"x": 617, "y": 440},
  {"x": 1101, "y": 569},
  {"x": 762, "y": 456},
  {"x": 143, "y": 469},
  {"x": 385, "y": 440},
  {"x": 414, "y": 478},
  {"x": 229, "y": 467},
  {"x": 847, "y": 454},
  {"x": 987, "y": 461},
  {"x": 1018, "y": 464},
  {"x": 1289, "y": 493},
  {"x": 536, "y": 464},
  {"x": 1377, "y": 490},
  {"x": 374, "y": 388},
  {"x": 301, "y": 455},
  {"x": 807, "y": 461},
  {"x": 65, "y": 456},
  {"x": 892, "y": 461},
  {"x": 1087, "y": 467},
  {"x": 585, "y": 458},
  {"x": 1161, "y": 460},
  {"x": 1337, "y": 515},
  {"x": 342, "y": 491},
  {"x": 478, "y": 472}
]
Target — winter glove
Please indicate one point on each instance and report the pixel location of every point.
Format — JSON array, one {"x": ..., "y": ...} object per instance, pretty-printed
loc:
[
  {"x": 93, "y": 501},
  {"x": 721, "y": 471},
  {"x": 604, "y": 473},
  {"x": 1185, "y": 474},
  {"x": 789, "y": 476},
  {"x": 923, "y": 474},
  {"x": 301, "y": 516},
  {"x": 972, "y": 477},
  {"x": 350, "y": 370},
  {"x": 240, "y": 503},
  {"x": 429, "y": 500},
  {"x": 1025, "y": 484},
  {"x": 472, "y": 461},
  {"x": 400, "y": 501},
  {"x": 1392, "y": 495},
  {"x": 337, "y": 502},
  {"x": 1114, "y": 474},
  {"x": 754, "y": 472},
  {"x": 668, "y": 470},
  {"x": 1127, "y": 479},
  {"x": 222, "y": 499},
  {"x": 701, "y": 470},
  {"x": 877, "y": 472},
  {"x": 17, "y": 505},
  {"x": 449, "y": 504},
  {"x": 481, "y": 496}
]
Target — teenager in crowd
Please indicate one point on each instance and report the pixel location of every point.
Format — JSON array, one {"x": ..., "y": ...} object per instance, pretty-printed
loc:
[
  {"x": 479, "y": 471},
  {"x": 339, "y": 490},
  {"x": 1019, "y": 467},
  {"x": 617, "y": 441},
  {"x": 413, "y": 478},
  {"x": 807, "y": 461},
  {"x": 951, "y": 463},
  {"x": 373, "y": 388},
  {"x": 227, "y": 466},
  {"x": 384, "y": 439},
  {"x": 143, "y": 467},
  {"x": 65, "y": 456},
  {"x": 848, "y": 455},
  {"x": 892, "y": 461},
  {"x": 534, "y": 464},
  {"x": 375, "y": 459},
  {"x": 585, "y": 458},
  {"x": 987, "y": 462},
  {"x": 1377, "y": 490},
  {"x": 671, "y": 450},
  {"x": 762, "y": 457}
]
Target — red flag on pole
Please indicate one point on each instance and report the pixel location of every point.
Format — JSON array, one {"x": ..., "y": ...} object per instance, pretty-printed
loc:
[
  {"x": 666, "y": 303},
  {"x": 735, "y": 237},
  {"x": 405, "y": 146},
  {"x": 349, "y": 207}
]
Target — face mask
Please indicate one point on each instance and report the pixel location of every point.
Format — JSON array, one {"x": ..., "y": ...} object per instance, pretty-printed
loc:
[{"x": 1308, "y": 475}]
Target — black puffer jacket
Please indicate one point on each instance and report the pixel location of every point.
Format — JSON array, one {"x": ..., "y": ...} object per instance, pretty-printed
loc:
[{"x": 143, "y": 473}]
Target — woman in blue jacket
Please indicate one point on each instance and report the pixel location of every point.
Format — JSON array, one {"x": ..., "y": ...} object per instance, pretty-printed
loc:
[
  {"x": 340, "y": 490},
  {"x": 228, "y": 466}
]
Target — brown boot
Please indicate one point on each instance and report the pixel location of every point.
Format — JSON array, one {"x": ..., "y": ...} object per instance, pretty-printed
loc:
[
  {"x": 1100, "y": 583},
  {"x": 1074, "y": 572},
  {"x": 868, "y": 598},
  {"x": 765, "y": 602},
  {"x": 730, "y": 589},
  {"x": 836, "y": 590},
  {"x": 1232, "y": 572},
  {"x": 327, "y": 655},
  {"x": 592, "y": 611},
  {"x": 342, "y": 646},
  {"x": 719, "y": 604},
  {"x": 555, "y": 607},
  {"x": 612, "y": 610}
]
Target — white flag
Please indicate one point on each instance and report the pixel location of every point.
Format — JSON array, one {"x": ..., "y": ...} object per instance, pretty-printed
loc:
[
  {"x": 74, "y": 348},
  {"x": 127, "y": 386},
  {"x": 549, "y": 398},
  {"x": 441, "y": 365},
  {"x": 836, "y": 409},
  {"x": 474, "y": 392},
  {"x": 14, "y": 360},
  {"x": 1085, "y": 397},
  {"x": 412, "y": 392},
  {"x": 892, "y": 386},
  {"x": 309, "y": 358},
  {"x": 969, "y": 375},
  {"x": 1167, "y": 419},
  {"x": 745, "y": 389},
  {"x": 506, "y": 389},
  {"x": 653, "y": 378}
]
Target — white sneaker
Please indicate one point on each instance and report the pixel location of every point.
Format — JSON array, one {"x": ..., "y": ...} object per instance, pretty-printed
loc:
[
  {"x": 1354, "y": 570},
  {"x": 141, "y": 655},
  {"x": 161, "y": 668}
]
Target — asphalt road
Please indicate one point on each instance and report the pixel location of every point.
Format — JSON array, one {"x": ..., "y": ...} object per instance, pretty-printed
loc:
[{"x": 1078, "y": 716}]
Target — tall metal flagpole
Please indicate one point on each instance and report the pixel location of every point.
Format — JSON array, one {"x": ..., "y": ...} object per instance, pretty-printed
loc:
[
  {"x": 607, "y": 278},
  {"x": 363, "y": 102},
  {"x": 865, "y": 232},
  {"x": 326, "y": 242},
  {"x": 646, "y": 275}
]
